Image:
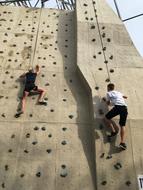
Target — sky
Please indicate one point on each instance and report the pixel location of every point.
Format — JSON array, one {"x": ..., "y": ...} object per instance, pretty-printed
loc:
[{"x": 128, "y": 8}]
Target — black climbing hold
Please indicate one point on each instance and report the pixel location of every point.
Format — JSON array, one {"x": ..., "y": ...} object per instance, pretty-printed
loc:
[
  {"x": 104, "y": 48},
  {"x": 111, "y": 57},
  {"x": 43, "y": 128},
  {"x": 36, "y": 128},
  {"x": 64, "y": 128},
  {"x": 64, "y": 100},
  {"x": 128, "y": 183},
  {"x": 1, "y": 97},
  {"x": 92, "y": 27},
  {"x": 42, "y": 75},
  {"x": 10, "y": 150},
  {"x": 106, "y": 61},
  {"x": 30, "y": 115},
  {"x": 46, "y": 98},
  {"x": 7, "y": 72},
  {"x": 6, "y": 167},
  {"x": 3, "y": 185},
  {"x": 28, "y": 135},
  {"x": 111, "y": 70},
  {"x": 102, "y": 155},
  {"x": 108, "y": 40},
  {"x": 107, "y": 80},
  {"x": 38, "y": 174},
  {"x": 71, "y": 116},
  {"x": 49, "y": 151},
  {"x": 34, "y": 142},
  {"x": 26, "y": 151},
  {"x": 85, "y": 5},
  {"x": 100, "y": 69},
  {"x": 3, "y": 114},
  {"x": 109, "y": 157},
  {"x": 51, "y": 110},
  {"x": 47, "y": 84},
  {"x": 3, "y": 82},
  {"x": 103, "y": 27},
  {"x": 118, "y": 166},
  {"x": 65, "y": 90},
  {"x": 104, "y": 182},
  {"x": 86, "y": 18},
  {"x": 97, "y": 88},
  {"x": 94, "y": 56},
  {"x": 22, "y": 175},
  {"x": 63, "y": 174},
  {"x": 63, "y": 166},
  {"x": 13, "y": 136},
  {"x": 64, "y": 142},
  {"x": 99, "y": 52},
  {"x": 54, "y": 75},
  {"x": 93, "y": 40},
  {"x": 50, "y": 135}
]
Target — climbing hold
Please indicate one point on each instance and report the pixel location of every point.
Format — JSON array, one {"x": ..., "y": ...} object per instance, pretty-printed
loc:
[
  {"x": 71, "y": 116},
  {"x": 43, "y": 128},
  {"x": 109, "y": 157},
  {"x": 128, "y": 183},
  {"x": 100, "y": 69},
  {"x": 63, "y": 173},
  {"x": 102, "y": 155},
  {"x": 97, "y": 88},
  {"x": 99, "y": 52},
  {"x": 49, "y": 151},
  {"x": 26, "y": 151},
  {"x": 28, "y": 135},
  {"x": 12, "y": 136},
  {"x": 50, "y": 135},
  {"x": 85, "y": 5},
  {"x": 107, "y": 80},
  {"x": 64, "y": 128},
  {"x": 64, "y": 100},
  {"x": 111, "y": 57},
  {"x": 64, "y": 142},
  {"x": 106, "y": 61},
  {"x": 111, "y": 70},
  {"x": 93, "y": 40},
  {"x": 104, "y": 48},
  {"x": 30, "y": 115},
  {"x": 3, "y": 114},
  {"x": 38, "y": 174},
  {"x": 22, "y": 175},
  {"x": 34, "y": 142},
  {"x": 94, "y": 56},
  {"x": 36, "y": 128},
  {"x": 63, "y": 166},
  {"x": 108, "y": 40},
  {"x": 104, "y": 182},
  {"x": 92, "y": 27},
  {"x": 51, "y": 110},
  {"x": 3, "y": 185},
  {"x": 6, "y": 167},
  {"x": 117, "y": 166},
  {"x": 10, "y": 150}
]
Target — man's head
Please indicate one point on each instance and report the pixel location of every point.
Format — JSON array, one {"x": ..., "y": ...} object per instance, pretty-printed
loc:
[
  {"x": 110, "y": 87},
  {"x": 31, "y": 70}
]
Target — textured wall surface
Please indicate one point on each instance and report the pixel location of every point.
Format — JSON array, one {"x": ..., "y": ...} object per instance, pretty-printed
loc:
[
  {"x": 48, "y": 147},
  {"x": 105, "y": 53},
  {"x": 64, "y": 145}
]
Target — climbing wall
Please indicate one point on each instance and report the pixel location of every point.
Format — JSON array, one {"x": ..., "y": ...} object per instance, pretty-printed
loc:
[
  {"x": 105, "y": 53},
  {"x": 48, "y": 147}
]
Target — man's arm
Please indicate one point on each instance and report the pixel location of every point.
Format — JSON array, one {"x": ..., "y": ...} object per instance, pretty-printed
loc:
[{"x": 37, "y": 69}]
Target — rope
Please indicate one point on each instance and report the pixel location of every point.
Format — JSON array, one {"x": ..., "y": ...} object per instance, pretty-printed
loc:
[{"x": 105, "y": 59}]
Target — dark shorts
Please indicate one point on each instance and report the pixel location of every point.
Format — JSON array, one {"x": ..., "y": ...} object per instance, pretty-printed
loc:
[
  {"x": 30, "y": 87},
  {"x": 118, "y": 110}
]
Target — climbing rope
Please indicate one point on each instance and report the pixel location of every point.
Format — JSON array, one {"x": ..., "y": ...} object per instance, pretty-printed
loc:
[{"x": 105, "y": 59}]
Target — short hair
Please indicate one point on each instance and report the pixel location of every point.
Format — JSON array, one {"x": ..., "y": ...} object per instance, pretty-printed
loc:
[{"x": 111, "y": 86}]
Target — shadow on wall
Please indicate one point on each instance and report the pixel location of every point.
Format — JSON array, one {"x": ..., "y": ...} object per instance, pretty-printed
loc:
[{"x": 84, "y": 118}]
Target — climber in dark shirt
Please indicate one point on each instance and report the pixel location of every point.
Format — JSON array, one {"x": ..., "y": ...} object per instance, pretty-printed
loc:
[{"x": 30, "y": 78}]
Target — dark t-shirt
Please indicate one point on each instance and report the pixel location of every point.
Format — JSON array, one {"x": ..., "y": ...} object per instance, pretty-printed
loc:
[{"x": 30, "y": 78}]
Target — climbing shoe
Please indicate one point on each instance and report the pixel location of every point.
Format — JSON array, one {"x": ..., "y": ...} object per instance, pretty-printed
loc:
[
  {"x": 123, "y": 146},
  {"x": 18, "y": 114}
]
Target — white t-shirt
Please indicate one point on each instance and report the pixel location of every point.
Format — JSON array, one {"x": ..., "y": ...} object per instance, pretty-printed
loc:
[{"x": 116, "y": 98}]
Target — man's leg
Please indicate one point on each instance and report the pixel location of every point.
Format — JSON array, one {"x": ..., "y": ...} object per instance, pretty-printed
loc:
[
  {"x": 122, "y": 134},
  {"x": 42, "y": 93},
  {"x": 23, "y": 101},
  {"x": 109, "y": 123}
]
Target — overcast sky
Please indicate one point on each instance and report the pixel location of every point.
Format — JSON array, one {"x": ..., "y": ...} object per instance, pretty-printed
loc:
[{"x": 128, "y": 8}]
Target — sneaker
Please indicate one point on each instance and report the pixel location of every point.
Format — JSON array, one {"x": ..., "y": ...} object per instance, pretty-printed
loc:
[
  {"x": 113, "y": 134},
  {"x": 123, "y": 146}
]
